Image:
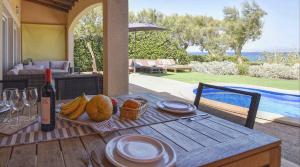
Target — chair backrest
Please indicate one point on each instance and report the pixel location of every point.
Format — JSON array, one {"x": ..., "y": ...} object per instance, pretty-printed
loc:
[
  {"x": 71, "y": 87},
  {"x": 253, "y": 107},
  {"x": 19, "y": 84}
]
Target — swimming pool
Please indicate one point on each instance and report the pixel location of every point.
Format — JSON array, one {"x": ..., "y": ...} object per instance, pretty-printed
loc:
[{"x": 273, "y": 102}]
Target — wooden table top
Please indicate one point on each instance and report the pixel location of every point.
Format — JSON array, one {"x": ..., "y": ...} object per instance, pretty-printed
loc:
[{"x": 211, "y": 141}]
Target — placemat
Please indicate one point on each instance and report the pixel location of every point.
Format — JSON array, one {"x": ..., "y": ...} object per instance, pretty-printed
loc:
[{"x": 65, "y": 129}]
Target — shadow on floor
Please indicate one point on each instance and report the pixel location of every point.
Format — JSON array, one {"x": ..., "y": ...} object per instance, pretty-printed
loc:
[{"x": 290, "y": 135}]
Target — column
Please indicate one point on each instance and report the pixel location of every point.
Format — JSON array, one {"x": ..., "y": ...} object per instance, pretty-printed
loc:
[
  {"x": 1, "y": 38},
  {"x": 115, "y": 78},
  {"x": 10, "y": 43}
]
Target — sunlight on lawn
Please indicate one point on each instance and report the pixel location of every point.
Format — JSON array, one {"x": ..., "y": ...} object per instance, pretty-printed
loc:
[{"x": 194, "y": 77}]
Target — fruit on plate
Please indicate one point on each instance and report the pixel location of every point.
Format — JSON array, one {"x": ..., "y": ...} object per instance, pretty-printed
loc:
[
  {"x": 80, "y": 109},
  {"x": 99, "y": 108},
  {"x": 114, "y": 102},
  {"x": 71, "y": 106},
  {"x": 132, "y": 104}
]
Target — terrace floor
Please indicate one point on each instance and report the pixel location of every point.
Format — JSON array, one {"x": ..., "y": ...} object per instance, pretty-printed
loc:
[{"x": 290, "y": 135}]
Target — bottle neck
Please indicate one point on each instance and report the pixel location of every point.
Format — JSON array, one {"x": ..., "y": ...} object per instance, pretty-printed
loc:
[{"x": 48, "y": 76}]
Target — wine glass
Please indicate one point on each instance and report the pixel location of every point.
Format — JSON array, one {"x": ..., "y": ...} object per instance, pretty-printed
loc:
[
  {"x": 18, "y": 100},
  {"x": 7, "y": 97},
  {"x": 32, "y": 96}
]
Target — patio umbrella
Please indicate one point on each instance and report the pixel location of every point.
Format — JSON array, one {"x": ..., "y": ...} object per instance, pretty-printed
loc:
[{"x": 134, "y": 27}]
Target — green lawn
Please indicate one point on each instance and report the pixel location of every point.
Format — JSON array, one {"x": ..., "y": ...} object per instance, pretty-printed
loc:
[{"x": 194, "y": 77}]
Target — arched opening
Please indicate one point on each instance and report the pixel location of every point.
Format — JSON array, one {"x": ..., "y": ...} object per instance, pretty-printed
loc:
[
  {"x": 87, "y": 40},
  {"x": 74, "y": 18}
]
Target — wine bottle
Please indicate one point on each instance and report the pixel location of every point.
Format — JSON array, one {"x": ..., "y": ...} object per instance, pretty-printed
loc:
[{"x": 48, "y": 104}]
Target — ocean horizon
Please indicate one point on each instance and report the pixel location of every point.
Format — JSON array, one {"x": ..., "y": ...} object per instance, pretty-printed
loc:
[{"x": 251, "y": 56}]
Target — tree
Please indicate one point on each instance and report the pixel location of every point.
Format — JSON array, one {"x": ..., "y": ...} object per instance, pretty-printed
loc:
[
  {"x": 212, "y": 39},
  {"x": 89, "y": 26},
  {"x": 243, "y": 27}
]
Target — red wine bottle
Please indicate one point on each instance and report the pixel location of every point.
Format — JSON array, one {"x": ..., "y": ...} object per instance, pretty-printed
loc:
[{"x": 48, "y": 104}]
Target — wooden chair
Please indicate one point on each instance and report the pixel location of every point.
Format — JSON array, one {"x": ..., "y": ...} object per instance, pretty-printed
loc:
[
  {"x": 255, "y": 99},
  {"x": 19, "y": 84},
  {"x": 69, "y": 87}
]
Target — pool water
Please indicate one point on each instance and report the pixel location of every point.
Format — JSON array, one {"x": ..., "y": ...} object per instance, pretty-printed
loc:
[{"x": 273, "y": 102}]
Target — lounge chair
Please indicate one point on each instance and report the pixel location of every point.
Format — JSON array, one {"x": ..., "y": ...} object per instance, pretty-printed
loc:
[
  {"x": 131, "y": 66},
  {"x": 171, "y": 65},
  {"x": 147, "y": 65}
]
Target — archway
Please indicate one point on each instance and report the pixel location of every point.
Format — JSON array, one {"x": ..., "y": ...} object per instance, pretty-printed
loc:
[
  {"x": 115, "y": 44},
  {"x": 73, "y": 17}
]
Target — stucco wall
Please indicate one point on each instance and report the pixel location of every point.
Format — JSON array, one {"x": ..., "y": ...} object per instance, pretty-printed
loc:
[
  {"x": 14, "y": 4},
  {"x": 39, "y": 14},
  {"x": 43, "y": 42},
  {"x": 80, "y": 6},
  {"x": 1, "y": 11}
]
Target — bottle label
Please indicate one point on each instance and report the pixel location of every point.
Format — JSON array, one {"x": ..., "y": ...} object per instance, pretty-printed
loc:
[{"x": 45, "y": 118}]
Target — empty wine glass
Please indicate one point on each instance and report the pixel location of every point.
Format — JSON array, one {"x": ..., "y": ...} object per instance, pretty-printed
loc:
[
  {"x": 32, "y": 96},
  {"x": 18, "y": 100},
  {"x": 7, "y": 97}
]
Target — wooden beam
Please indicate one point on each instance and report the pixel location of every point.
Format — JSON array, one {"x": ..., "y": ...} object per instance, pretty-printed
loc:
[
  {"x": 66, "y": 3},
  {"x": 50, "y": 5}
]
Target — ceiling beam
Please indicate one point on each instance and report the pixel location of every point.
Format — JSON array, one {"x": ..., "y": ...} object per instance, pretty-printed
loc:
[
  {"x": 51, "y": 5},
  {"x": 64, "y": 2}
]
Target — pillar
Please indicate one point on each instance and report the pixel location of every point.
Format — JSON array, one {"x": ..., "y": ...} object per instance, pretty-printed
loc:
[
  {"x": 1, "y": 40},
  {"x": 115, "y": 74}
]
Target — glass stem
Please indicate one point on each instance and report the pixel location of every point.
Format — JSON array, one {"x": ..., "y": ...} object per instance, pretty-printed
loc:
[
  {"x": 29, "y": 114},
  {"x": 17, "y": 117}
]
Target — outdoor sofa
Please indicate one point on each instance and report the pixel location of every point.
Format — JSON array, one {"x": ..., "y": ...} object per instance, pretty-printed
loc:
[{"x": 34, "y": 72}]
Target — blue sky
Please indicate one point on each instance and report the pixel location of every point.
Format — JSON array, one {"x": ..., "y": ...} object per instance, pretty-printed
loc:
[{"x": 281, "y": 30}]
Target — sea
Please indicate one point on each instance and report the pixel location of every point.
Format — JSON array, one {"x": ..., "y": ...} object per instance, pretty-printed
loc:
[{"x": 251, "y": 56}]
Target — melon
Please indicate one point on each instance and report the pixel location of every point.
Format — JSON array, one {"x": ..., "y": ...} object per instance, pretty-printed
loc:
[{"x": 99, "y": 108}]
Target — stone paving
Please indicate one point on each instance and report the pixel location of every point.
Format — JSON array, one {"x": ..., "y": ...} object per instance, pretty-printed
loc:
[{"x": 175, "y": 90}]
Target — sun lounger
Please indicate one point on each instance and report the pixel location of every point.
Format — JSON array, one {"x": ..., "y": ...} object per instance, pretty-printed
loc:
[
  {"x": 171, "y": 65},
  {"x": 147, "y": 65}
]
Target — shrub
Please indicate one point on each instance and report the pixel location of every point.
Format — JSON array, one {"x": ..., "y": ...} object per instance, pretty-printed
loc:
[
  {"x": 219, "y": 68},
  {"x": 82, "y": 56},
  {"x": 243, "y": 69},
  {"x": 207, "y": 58},
  {"x": 275, "y": 71}
]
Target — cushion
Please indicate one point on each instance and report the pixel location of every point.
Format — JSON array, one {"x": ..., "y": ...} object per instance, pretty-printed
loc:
[
  {"x": 19, "y": 67},
  {"x": 166, "y": 62},
  {"x": 151, "y": 63},
  {"x": 30, "y": 67},
  {"x": 66, "y": 65},
  {"x": 45, "y": 64},
  {"x": 62, "y": 65},
  {"x": 13, "y": 72}
]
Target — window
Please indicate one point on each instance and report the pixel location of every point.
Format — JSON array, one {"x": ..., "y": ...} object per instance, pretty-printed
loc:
[{"x": 5, "y": 43}]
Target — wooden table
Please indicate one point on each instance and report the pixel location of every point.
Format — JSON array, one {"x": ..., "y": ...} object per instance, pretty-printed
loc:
[{"x": 204, "y": 142}]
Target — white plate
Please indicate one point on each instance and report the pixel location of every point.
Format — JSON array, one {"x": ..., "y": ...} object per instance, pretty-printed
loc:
[
  {"x": 168, "y": 158},
  {"x": 176, "y": 105},
  {"x": 191, "y": 109},
  {"x": 139, "y": 148}
]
